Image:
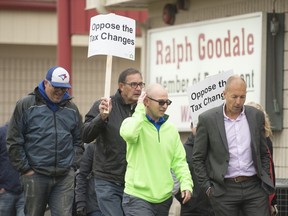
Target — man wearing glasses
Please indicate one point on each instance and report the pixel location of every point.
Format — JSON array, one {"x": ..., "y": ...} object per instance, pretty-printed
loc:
[
  {"x": 102, "y": 124},
  {"x": 154, "y": 149},
  {"x": 44, "y": 140}
]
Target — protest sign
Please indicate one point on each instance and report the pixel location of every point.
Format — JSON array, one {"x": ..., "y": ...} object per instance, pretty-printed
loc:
[
  {"x": 207, "y": 94},
  {"x": 111, "y": 35}
]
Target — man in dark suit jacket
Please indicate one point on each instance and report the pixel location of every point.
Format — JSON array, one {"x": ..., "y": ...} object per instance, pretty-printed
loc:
[{"x": 230, "y": 157}]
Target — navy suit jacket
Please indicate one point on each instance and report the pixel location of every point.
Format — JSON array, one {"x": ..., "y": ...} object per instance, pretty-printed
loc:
[{"x": 211, "y": 144}]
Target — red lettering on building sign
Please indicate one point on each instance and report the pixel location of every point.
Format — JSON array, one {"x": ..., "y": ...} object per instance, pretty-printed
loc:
[
  {"x": 185, "y": 114},
  {"x": 173, "y": 53},
  {"x": 229, "y": 46}
]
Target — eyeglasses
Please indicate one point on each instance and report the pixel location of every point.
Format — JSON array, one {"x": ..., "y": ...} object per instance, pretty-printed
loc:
[
  {"x": 161, "y": 102},
  {"x": 135, "y": 84}
]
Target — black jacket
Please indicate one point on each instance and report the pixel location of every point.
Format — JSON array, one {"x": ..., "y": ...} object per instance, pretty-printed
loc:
[
  {"x": 110, "y": 151},
  {"x": 85, "y": 195}
]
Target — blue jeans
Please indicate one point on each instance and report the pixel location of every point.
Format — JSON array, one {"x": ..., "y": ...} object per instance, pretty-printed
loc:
[
  {"x": 135, "y": 206},
  {"x": 109, "y": 197},
  {"x": 11, "y": 204},
  {"x": 56, "y": 191}
]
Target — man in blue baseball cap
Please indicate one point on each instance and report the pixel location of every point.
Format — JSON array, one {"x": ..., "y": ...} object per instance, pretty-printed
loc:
[
  {"x": 56, "y": 84},
  {"x": 44, "y": 140}
]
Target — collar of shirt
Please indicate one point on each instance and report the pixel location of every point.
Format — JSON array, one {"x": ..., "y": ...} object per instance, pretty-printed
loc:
[
  {"x": 158, "y": 123},
  {"x": 226, "y": 117}
]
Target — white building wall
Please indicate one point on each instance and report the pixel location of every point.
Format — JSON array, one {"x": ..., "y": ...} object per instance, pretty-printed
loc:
[{"x": 28, "y": 27}]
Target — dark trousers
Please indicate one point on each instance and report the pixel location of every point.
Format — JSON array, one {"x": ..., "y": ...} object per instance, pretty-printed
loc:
[
  {"x": 248, "y": 197},
  {"x": 198, "y": 205},
  {"x": 109, "y": 197},
  {"x": 133, "y": 206}
]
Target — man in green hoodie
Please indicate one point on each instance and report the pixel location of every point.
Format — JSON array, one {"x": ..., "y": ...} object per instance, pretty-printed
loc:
[{"x": 153, "y": 149}]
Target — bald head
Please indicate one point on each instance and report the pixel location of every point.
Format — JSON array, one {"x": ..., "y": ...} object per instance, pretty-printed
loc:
[
  {"x": 234, "y": 79},
  {"x": 156, "y": 90}
]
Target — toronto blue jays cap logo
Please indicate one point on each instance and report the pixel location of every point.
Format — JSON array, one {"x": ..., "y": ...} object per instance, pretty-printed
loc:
[{"x": 63, "y": 76}]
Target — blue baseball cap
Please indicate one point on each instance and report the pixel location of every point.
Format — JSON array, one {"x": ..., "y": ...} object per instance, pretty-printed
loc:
[{"x": 58, "y": 77}]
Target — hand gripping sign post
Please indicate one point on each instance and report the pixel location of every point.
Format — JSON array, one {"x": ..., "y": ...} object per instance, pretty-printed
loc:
[
  {"x": 207, "y": 94},
  {"x": 111, "y": 34}
]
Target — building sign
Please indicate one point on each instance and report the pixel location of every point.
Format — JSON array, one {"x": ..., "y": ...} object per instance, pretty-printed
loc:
[{"x": 181, "y": 56}]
